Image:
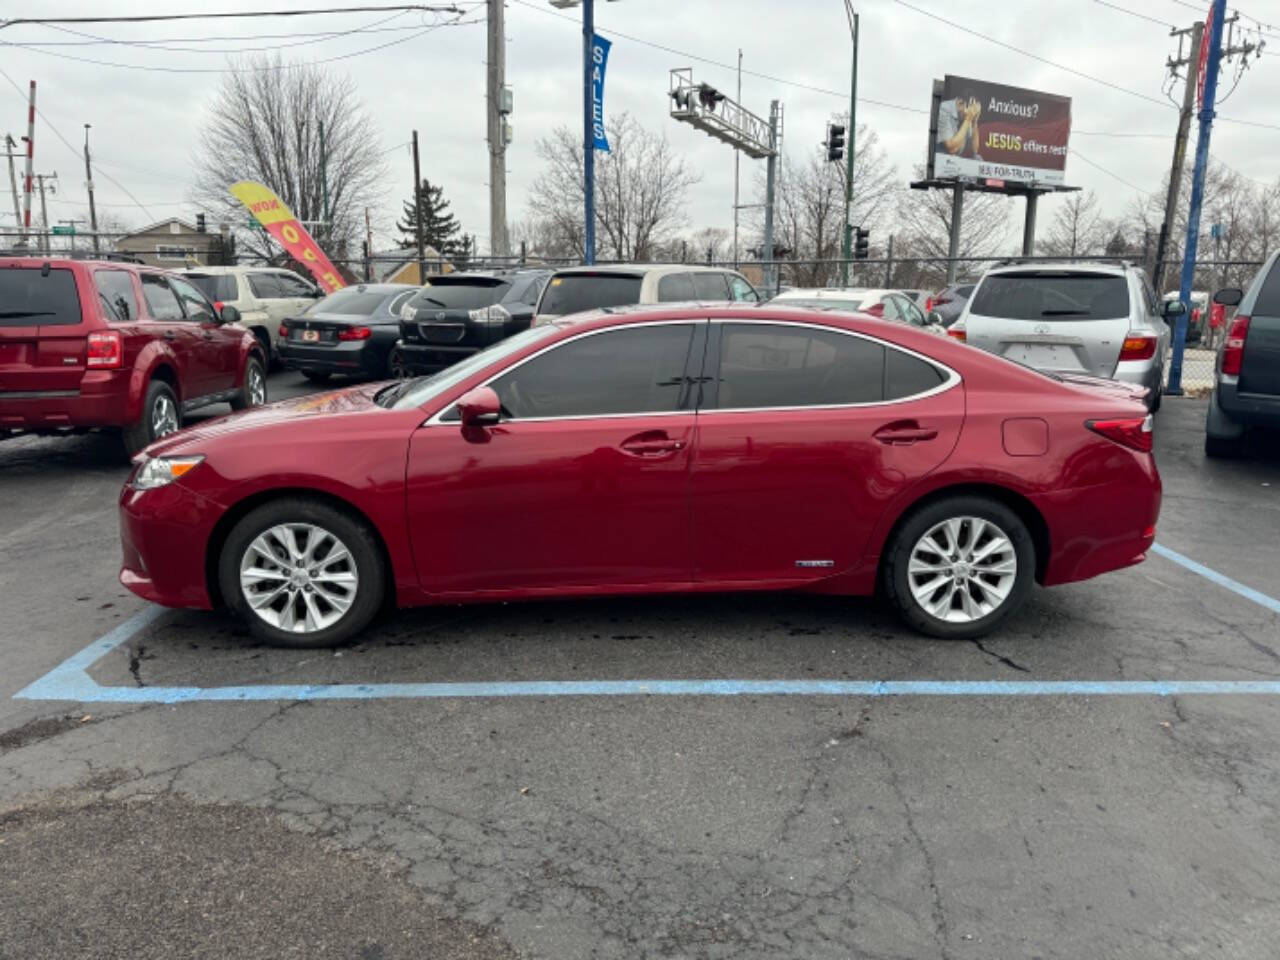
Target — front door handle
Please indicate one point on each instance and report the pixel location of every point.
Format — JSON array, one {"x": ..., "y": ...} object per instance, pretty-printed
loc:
[
  {"x": 170, "y": 335},
  {"x": 651, "y": 443},
  {"x": 207, "y": 335},
  {"x": 904, "y": 434}
]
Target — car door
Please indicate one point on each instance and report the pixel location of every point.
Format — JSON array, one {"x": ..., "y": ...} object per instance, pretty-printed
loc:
[
  {"x": 166, "y": 320},
  {"x": 583, "y": 484},
  {"x": 805, "y": 433},
  {"x": 219, "y": 343},
  {"x": 297, "y": 292}
]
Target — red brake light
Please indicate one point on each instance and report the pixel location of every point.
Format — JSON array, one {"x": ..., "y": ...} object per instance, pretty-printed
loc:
[
  {"x": 106, "y": 350},
  {"x": 217, "y": 305},
  {"x": 1134, "y": 432},
  {"x": 284, "y": 330},
  {"x": 876, "y": 310},
  {"x": 928, "y": 304},
  {"x": 355, "y": 333},
  {"x": 1138, "y": 347},
  {"x": 956, "y": 332},
  {"x": 1233, "y": 346}
]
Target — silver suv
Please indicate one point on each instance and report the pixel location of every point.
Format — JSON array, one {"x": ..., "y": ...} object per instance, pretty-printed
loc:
[{"x": 1091, "y": 319}]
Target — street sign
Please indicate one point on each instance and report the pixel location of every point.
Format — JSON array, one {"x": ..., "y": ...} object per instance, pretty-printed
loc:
[{"x": 63, "y": 231}]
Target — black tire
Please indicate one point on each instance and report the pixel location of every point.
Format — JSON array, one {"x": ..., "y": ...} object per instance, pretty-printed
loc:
[
  {"x": 1222, "y": 448},
  {"x": 1157, "y": 399},
  {"x": 264, "y": 341},
  {"x": 245, "y": 398},
  {"x": 148, "y": 429},
  {"x": 895, "y": 576},
  {"x": 317, "y": 376},
  {"x": 366, "y": 556},
  {"x": 395, "y": 364}
]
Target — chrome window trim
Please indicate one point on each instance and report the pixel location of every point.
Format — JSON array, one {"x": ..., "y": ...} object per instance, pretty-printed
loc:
[{"x": 953, "y": 378}]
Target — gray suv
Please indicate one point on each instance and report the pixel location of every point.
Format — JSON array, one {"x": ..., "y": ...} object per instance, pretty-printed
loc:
[{"x": 1090, "y": 319}]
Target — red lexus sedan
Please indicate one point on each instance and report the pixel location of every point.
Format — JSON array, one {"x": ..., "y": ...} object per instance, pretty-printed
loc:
[{"x": 671, "y": 450}]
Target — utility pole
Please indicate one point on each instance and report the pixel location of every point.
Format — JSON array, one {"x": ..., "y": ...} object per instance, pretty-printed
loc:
[
  {"x": 1212, "y": 60},
  {"x": 417, "y": 212},
  {"x": 44, "y": 210},
  {"x": 588, "y": 134},
  {"x": 737, "y": 162},
  {"x": 324, "y": 182},
  {"x": 771, "y": 184},
  {"x": 368, "y": 243},
  {"x": 88, "y": 182},
  {"x": 30, "y": 173},
  {"x": 1196, "y": 32},
  {"x": 848, "y": 155},
  {"x": 498, "y": 100},
  {"x": 10, "y": 151},
  {"x": 888, "y": 264}
]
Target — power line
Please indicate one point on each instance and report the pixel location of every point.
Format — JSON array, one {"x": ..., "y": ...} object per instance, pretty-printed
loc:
[
  {"x": 1134, "y": 13},
  {"x": 1114, "y": 176},
  {"x": 233, "y": 15}
]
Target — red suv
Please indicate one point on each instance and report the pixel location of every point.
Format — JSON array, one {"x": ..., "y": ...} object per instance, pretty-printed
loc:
[{"x": 88, "y": 344}]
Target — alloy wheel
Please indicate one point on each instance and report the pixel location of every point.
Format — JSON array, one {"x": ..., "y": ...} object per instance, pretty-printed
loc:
[
  {"x": 164, "y": 417},
  {"x": 298, "y": 577},
  {"x": 257, "y": 386},
  {"x": 962, "y": 569}
]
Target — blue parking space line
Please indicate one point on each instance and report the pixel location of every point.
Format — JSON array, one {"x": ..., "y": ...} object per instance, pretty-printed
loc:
[
  {"x": 1221, "y": 579},
  {"x": 70, "y": 680}
]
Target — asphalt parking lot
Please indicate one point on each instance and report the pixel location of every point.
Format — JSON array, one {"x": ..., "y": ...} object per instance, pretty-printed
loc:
[{"x": 565, "y": 803}]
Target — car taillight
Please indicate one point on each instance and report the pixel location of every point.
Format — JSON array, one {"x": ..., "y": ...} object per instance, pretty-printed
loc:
[
  {"x": 106, "y": 350},
  {"x": 1138, "y": 347},
  {"x": 217, "y": 305},
  {"x": 284, "y": 330},
  {"x": 957, "y": 332},
  {"x": 1233, "y": 346},
  {"x": 928, "y": 304},
  {"x": 876, "y": 310},
  {"x": 1132, "y": 432},
  {"x": 355, "y": 333},
  {"x": 941, "y": 300}
]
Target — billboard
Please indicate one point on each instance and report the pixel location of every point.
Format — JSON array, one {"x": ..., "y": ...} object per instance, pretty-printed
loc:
[{"x": 987, "y": 131}]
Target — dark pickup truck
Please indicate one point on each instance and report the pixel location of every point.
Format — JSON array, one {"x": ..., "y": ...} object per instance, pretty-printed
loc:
[{"x": 1246, "y": 390}]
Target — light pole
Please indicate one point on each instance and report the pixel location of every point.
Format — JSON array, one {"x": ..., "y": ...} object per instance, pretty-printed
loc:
[{"x": 853, "y": 138}]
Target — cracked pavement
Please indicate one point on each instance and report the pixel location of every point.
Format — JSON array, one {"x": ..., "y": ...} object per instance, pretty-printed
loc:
[{"x": 647, "y": 826}]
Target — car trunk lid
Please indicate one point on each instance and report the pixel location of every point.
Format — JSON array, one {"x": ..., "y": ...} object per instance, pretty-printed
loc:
[
  {"x": 43, "y": 331},
  {"x": 322, "y": 329}
]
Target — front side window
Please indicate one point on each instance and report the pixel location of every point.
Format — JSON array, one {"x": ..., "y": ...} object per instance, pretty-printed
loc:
[
  {"x": 676, "y": 288},
  {"x": 627, "y": 371},
  {"x": 162, "y": 304},
  {"x": 912, "y": 314},
  {"x": 775, "y": 365},
  {"x": 741, "y": 291},
  {"x": 294, "y": 286},
  {"x": 710, "y": 286},
  {"x": 1052, "y": 295},
  {"x": 218, "y": 287},
  {"x": 196, "y": 306},
  {"x": 265, "y": 286},
  {"x": 116, "y": 288}
]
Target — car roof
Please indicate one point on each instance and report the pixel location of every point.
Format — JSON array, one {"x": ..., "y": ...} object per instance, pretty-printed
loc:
[
  {"x": 514, "y": 273},
  {"x": 238, "y": 268},
  {"x": 831, "y": 293},
  {"x": 643, "y": 269},
  {"x": 388, "y": 288},
  {"x": 1062, "y": 266}
]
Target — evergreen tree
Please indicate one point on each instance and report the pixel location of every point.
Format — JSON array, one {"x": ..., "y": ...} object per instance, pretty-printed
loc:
[{"x": 440, "y": 228}]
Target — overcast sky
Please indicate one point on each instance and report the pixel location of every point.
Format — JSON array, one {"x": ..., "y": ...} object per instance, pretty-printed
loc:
[{"x": 145, "y": 121}]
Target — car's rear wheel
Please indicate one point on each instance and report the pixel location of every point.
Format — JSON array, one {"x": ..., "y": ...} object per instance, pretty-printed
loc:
[
  {"x": 161, "y": 416},
  {"x": 1222, "y": 447},
  {"x": 959, "y": 566},
  {"x": 317, "y": 376},
  {"x": 302, "y": 573},
  {"x": 395, "y": 364},
  {"x": 253, "y": 393}
]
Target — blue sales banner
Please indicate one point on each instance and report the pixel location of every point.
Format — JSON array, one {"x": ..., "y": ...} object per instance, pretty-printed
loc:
[{"x": 599, "y": 60}]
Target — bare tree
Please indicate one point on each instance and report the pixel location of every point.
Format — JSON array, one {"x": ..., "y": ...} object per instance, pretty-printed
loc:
[
  {"x": 641, "y": 191},
  {"x": 1078, "y": 229},
  {"x": 263, "y": 124},
  {"x": 924, "y": 228}
]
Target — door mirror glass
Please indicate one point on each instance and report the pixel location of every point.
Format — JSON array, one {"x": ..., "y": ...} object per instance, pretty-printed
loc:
[
  {"x": 230, "y": 314},
  {"x": 1173, "y": 308},
  {"x": 479, "y": 408},
  {"x": 1230, "y": 297}
]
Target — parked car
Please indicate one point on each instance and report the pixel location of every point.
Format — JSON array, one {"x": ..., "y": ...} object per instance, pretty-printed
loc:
[
  {"x": 1073, "y": 319},
  {"x": 679, "y": 449},
  {"x": 90, "y": 344},
  {"x": 888, "y": 304},
  {"x": 949, "y": 303},
  {"x": 1199, "y": 312},
  {"x": 1246, "y": 387},
  {"x": 458, "y": 314},
  {"x": 921, "y": 298},
  {"x": 593, "y": 288},
  {"x": 264, "y": 297},
  {"x": 352, "y": 332}
]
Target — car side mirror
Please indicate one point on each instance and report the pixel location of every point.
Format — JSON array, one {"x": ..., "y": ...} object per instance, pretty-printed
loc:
[
  {"x": 480, "y": 408},
  {"x": 1229, "y": 297},
  {"x": 1172, "y": 308},
  {"x": 230, "y": 314}
]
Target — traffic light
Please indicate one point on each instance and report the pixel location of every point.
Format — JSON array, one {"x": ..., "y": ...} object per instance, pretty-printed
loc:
[
  {"x": 835, "y": 141},
  {"x": 860, "y": 238},
  {"x": 709, "y": 96}
]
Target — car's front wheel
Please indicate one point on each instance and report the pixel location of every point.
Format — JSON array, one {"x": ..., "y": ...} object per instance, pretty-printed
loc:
[
  {"x": 302, "y": 573},
  {"x": 254, "y": 391},
  {"x": 959, "y": 566}
]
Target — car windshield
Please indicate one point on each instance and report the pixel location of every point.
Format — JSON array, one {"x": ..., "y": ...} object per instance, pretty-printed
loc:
[
  {"x": 416, "y": 392},
  {"x": 217, "y": 287},
  {"x": 827, "y": 302},
  {"x": 461, "y": 295},
  {"x": 1053, "y": 296},
  {"x": 30, "y": 297},
  {"x": 352, "y": 301},
  {"x": 576, "y": 292}
]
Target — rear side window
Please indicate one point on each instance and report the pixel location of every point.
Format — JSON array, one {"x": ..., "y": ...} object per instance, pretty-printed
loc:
[
  {"x": 765, "y": 365},
  {"x": 633, "y": 370},
  {"x": 162, "y": 304},
  {"x": 576, "y": 292},
  {"x": 461, "y": 296},
  {"x": 265, "y": 286},
  {"x": 1268, "y": 302},
  {"x": 676, "y": 288},
  {"x": 29, "y": 300},
  {"x": 116, "y": 288},
  {"x": 349, "y": 300},
  {"x": 906, "y": 376},
  {"x": 710, "y": 286},
  {"x": 219, "y": 287},
  {"x": 1046, "y": 295}
]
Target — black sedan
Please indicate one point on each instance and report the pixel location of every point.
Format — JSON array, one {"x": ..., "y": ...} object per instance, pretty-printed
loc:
[
  {"x": 351, "y": 332},
  {"x": 458, "y": 314}
]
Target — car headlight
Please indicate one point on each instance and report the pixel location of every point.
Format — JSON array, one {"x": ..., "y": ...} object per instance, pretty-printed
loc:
[{"x": 162, "y": 471}]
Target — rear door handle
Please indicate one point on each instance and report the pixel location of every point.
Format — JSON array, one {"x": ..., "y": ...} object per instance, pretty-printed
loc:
[
  {"x": 904, "y": 435},
  {"x": 207, "y": 335}
]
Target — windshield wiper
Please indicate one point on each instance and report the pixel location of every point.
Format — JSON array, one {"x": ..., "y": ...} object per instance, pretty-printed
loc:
[
  {"x": 7, "y": 314},
  {"x": 1064, "y": 313}
]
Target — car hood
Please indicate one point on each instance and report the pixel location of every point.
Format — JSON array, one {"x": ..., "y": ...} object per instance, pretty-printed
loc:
[{"x": 335, "y": 403}]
